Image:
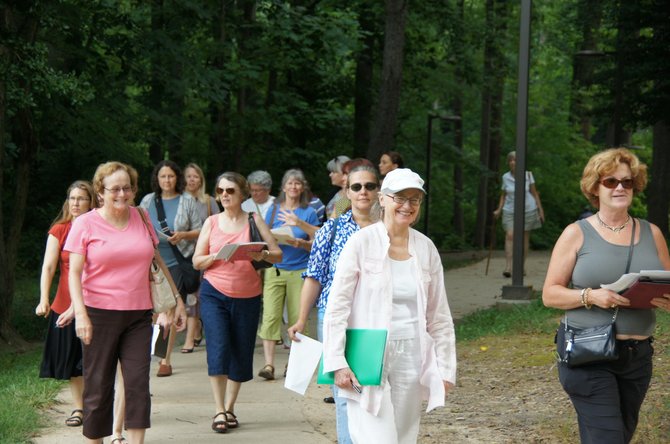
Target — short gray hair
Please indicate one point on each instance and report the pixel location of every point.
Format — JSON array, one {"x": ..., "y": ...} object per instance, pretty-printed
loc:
[
  {"x": 261, "y": 178},
  {"x": 334, "y": 165}
]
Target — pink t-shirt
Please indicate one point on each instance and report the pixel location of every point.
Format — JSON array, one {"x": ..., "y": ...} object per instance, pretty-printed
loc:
[
  {"x": 236, "y": 279},
  {"x": 116, "y": 268}
]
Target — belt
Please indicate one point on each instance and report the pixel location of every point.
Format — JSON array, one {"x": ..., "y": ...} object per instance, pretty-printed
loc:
[{"x": 634, "y": 342}]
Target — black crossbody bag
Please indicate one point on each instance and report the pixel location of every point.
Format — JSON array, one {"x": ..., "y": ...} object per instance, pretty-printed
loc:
[
  {"x": 582, "y": 346},
  {"x": 186, "y": 278}
]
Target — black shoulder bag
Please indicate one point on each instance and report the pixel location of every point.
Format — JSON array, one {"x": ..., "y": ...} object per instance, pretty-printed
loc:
[
  {"x": 186, "y": 278},
  {"x": 582, "y": 346},
  {"x": 256, "y": 237}
]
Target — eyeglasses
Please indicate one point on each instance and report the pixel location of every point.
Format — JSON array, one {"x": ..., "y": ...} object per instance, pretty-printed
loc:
[
  {"x": 78, "y": 199},
  {"x": 612, "y": 183},
  {"x": 400, "y": 200},
  {"x": 117, "y": 190},
  {"x": 229, "y": 191},
  {"x": 356, "y": 187}
]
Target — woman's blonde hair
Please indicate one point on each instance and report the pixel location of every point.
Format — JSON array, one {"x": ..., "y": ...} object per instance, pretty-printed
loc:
[
  {"x": 107, "y": 169},
  {"x": 606, "y": 162},
  {"x": 200, "y": 195},
  {"x": 64, "y": 215}
]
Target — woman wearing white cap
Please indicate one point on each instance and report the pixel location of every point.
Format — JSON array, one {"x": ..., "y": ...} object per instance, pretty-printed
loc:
[{"x": 390, "y": 276}]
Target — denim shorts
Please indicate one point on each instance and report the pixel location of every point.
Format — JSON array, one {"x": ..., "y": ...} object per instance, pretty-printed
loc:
[{"x": 230, "y": 328}]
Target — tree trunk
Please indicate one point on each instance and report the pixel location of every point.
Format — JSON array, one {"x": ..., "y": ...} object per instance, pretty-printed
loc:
[
  {"x": 219, "y": 112},
  {"x": 589, "y": 16},
  {"x": 459, "y": 40},
  {"x": 659, "y": 185},
  {"x": 491, "y": 127},
  {"x": 244, "y": 93},
  {"x": 363, "y": 83},
  {"x": 384, "y": 128},
  {"x": 26, "y": 140},
  {"x": 157, "y": 93}
]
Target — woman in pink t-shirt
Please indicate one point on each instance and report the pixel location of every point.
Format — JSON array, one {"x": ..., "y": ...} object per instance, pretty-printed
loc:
[
  {"x": 110, "y": 254},
  {"x": 230, "y": 296}
]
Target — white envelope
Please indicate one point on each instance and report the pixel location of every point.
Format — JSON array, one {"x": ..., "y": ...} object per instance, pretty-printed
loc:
[{"x": 302, "y": 363}]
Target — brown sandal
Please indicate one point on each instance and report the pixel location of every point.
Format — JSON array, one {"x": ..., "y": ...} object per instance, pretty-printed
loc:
[
  {"x": 220, "y": 426},
  {"x": 231, "y": 423},
  {"x": 267, "y": 372}
]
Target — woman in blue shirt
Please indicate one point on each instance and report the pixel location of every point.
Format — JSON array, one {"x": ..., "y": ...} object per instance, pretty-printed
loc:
[
  {"x": 362, "y": 187},
  {"x": 283, "y": 282}
]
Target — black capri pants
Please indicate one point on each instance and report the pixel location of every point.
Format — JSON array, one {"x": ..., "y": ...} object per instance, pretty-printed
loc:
[
  {"x": 607, "y": 396},
  {"x": 118, "y": 336}
]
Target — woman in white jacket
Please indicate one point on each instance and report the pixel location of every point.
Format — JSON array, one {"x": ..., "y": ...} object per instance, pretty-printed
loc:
[{"x": 390, "y": 276}]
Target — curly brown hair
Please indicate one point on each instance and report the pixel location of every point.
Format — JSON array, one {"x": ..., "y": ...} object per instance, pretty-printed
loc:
[{"x": 606, "y": 162}]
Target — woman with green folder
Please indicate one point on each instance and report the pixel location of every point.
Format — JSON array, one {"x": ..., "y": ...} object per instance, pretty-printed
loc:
[
  {"x": 390, "y": 277},
  {"x": 362, "y": 186}
]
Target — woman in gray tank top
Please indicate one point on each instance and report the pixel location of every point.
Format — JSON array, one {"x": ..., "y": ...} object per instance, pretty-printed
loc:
[{"x": 607, "y": 396}]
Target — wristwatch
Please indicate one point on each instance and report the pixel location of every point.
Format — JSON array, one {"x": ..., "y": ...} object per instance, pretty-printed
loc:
[{"x": 266, "y": 254}]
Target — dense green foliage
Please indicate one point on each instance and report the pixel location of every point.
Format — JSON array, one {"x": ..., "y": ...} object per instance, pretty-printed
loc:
[{"x": 270, "y": 84}]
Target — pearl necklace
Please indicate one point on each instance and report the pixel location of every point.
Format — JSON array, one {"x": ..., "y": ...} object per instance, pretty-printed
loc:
[{"x": 614, "y": 229}]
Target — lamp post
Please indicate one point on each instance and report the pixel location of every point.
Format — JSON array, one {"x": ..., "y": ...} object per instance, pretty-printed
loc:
[
  {"x": 429, "y": 149},
  {"x": 517, "y": 290}
]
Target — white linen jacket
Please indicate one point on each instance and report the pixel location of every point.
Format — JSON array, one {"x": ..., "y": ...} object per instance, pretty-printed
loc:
[{"x": 362, "y": 296}]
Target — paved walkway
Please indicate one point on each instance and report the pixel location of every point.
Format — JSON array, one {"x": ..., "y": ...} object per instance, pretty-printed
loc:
[{"x": 182, "y": 405}]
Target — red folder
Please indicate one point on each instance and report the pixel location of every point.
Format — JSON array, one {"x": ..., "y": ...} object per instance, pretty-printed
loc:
[{"x": 642, "y": 292}]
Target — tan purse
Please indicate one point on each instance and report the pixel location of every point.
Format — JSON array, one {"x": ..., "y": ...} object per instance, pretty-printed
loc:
[{"x": 162, "y": 297}]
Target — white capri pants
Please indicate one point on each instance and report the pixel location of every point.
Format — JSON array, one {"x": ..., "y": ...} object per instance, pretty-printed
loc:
[{"x": 400, "y": 412}]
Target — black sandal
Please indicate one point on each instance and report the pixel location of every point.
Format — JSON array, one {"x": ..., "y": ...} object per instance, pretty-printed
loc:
[
  {"x": 220, "y": 426},
  {"x": 75, "y": 420},
  {"x": 231, "y": 423}
]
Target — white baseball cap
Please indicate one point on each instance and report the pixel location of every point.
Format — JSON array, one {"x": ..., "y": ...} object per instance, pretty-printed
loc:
[{"x": 402, "y": 179}]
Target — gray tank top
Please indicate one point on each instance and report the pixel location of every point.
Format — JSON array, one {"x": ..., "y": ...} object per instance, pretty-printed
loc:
[{"x": 600, "y": 262}]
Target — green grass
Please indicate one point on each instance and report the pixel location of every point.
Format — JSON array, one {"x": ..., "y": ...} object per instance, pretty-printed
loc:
[
  {"x": 515, "y": 319},
  {"x": 23, "y": 395}
]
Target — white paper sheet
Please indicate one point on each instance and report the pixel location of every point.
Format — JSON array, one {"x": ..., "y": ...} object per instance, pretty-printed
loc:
[
  {"x": 154, "y": 336},
  {"x": 302, "y": 363}
]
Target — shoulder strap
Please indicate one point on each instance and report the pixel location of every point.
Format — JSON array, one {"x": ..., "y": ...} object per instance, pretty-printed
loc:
[
  {"x": 146, "y": 223},
  {"x": 160, "y": 212},
  {"x": 274, "y": 211}
]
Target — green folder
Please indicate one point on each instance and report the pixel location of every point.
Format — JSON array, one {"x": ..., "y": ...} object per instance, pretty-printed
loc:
[{"x": 365, "y": 354}]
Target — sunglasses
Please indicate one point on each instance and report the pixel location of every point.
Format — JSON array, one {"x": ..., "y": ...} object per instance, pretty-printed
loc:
[
  {"x": 229, "y": 191},
  {"x": 356, "y": 187},
  {"x": 612, "y": 183}
]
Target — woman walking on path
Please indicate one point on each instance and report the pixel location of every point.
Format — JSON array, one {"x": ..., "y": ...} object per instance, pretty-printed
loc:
[
  {"x": 390, "y": 276},
  {"x": 534, "y": 215},
  {"x": 206, "y": 204},
  {"x": 283, "y": 282},
  {"x": 62, "y": 349},
  {"x": 607, "y": 396},
  {"x": 362, "y": 186},
  {"x": 113, "y": 315},
  {"x": 230, "y": 295},
  {"x": 176, "y": 218}
]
